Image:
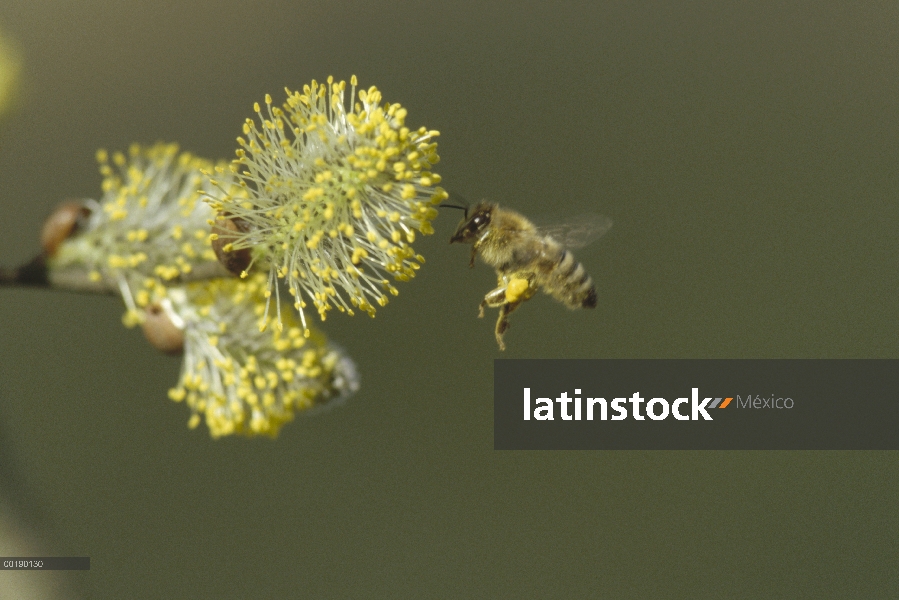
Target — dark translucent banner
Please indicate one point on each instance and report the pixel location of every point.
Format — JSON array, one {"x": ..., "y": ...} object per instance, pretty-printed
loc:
[
  {"x": 683, "y": 404},
  {"x": 45, "y": 563}
]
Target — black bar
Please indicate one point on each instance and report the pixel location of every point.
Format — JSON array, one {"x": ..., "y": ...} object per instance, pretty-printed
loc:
[{"x": 45, "y": 563}]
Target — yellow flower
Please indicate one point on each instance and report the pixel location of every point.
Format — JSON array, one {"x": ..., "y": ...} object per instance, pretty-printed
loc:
[
  {"x": 335, "y": 196},
  {"x": 150, "y": 224},
  {"x": 243, "y": 380}
]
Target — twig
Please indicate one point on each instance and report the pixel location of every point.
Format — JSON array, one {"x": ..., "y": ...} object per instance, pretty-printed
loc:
[{"x": 37, "y": 274}]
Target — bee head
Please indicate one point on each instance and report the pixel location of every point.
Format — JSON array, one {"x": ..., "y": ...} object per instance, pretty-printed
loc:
[{"x": 471, "y": 227}]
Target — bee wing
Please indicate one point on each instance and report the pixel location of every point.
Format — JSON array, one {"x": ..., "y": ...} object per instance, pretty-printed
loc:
[{"x": 578, "y": 232}]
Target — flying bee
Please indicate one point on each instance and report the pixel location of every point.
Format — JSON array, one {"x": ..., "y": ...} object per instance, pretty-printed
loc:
[{"x": 527, "y": 258}]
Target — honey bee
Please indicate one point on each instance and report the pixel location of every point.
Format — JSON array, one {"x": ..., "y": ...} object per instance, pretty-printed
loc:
[{"x": 527, "y": 258}]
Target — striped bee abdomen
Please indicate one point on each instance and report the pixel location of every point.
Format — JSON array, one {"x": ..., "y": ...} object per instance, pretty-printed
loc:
[{"x": 568, "y": 282}]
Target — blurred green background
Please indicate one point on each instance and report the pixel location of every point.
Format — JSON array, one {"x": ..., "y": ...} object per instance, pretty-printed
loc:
[{"x": 748, "y": 154}]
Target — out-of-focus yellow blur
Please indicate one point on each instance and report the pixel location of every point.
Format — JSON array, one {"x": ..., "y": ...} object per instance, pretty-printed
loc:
[{"x": 10, "y": 66}]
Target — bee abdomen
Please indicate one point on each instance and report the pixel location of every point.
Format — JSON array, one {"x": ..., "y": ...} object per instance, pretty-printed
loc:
[
  {"x": 583, "y": 292},
  {"x": 590, "y": 297},
  {"x": 572, "y": 286},
  {"x": 567, "y": 265}
]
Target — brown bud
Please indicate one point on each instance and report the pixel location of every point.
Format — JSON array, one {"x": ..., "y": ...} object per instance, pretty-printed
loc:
[
  {"x": 62, "y": 224},
  {"x": 161, "y": 332},
  {"x": 226, "y": 229}
]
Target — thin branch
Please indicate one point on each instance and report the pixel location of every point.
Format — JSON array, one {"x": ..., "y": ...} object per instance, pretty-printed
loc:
[{"x": 31, "y": 274}]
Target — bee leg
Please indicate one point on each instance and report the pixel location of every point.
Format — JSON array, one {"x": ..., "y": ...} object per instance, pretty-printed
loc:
[
  {"x": 502, "y": 323},
  {"x": 493, "y": 299},
  {"x": 474, "y": 253}
]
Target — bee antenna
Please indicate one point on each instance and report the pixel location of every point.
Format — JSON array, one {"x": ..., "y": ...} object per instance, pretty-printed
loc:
[
  {"x": 464, "y": 204},
  {"x": 463, "y": 208}
]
